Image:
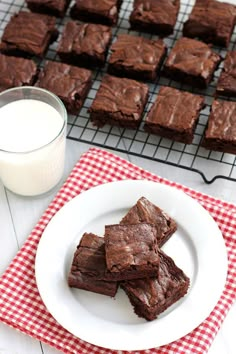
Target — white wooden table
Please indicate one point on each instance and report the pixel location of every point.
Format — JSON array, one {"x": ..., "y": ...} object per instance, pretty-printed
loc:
[{"x": 18, "y": 216}]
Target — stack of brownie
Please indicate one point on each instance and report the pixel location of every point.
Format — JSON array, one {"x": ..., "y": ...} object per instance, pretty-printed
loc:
[
  {"x": 133, "y": 62},
  {"x": 129, "y": 256}
]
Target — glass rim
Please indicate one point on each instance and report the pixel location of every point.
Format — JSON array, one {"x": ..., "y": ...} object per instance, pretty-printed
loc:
[{"x": 49, "y": 93}]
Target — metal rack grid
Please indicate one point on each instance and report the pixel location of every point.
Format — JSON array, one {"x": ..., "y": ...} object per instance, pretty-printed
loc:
[{"x": 210, "y": 165}]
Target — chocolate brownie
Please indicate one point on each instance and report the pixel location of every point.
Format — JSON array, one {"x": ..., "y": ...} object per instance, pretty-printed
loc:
[
  {"x": 70, "y": 83},
  {"x": 50, "y": 7},
  {"x": 146, "y": 211},
  {"x": 131, "y": 250},
  {"x": 211, "y": 21},
  {"x": 104, "y": 11},
  {"x": 174, "y": 114},
  {"x": 154, "y": 16},
  {"x": 88, "y": 268},
  {"x": 152, "y": 296},
  {"x": 136, "y": 57},
  {"x": 220, "y": 134},
  {"x": 192, "y": 62},
  {"x": 226, "y": 85},
  {"x": 28, "y": 34},
  {"x": 119, "y": 101},
  {"x": 16, "y": 72},
  {"x": 84, "y": 44}
]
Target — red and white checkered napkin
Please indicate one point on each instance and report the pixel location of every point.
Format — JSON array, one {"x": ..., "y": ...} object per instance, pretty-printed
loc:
[{"x": 21, "y": 306}]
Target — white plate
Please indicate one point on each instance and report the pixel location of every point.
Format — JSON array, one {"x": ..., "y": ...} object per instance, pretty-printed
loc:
[{"x": 197, "y": 247}]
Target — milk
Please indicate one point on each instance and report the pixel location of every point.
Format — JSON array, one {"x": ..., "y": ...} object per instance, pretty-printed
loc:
[{"x": 32, "y": 146}]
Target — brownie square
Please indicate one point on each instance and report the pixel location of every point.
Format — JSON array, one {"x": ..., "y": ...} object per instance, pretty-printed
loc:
[
  {"x": 105, "y": 12},
  {"x": 211, "y": 21},
  {"x": 70, "y": 83},
  {"x": 226, "y": 85},
  {"x": 146, "y": 211},
  {"x": 88, "y": 269},
  {"x": 84, "y": 44},
  {"x": 16, "y": 72},
  {"x": 192, "y": 62},
  {"x": 136, "y": 57},
  {"x": 154, "y": 16},
  {"x": 174, "y": 114},
  {"x": 53, "y": 7},
  {"x": 220, "y": 134},
  {"x": 152, "y": 296},
  {"x": 119, "y": 101},
  {"x": 131, "y": 250},
  {"x": 28, "y": 34}
]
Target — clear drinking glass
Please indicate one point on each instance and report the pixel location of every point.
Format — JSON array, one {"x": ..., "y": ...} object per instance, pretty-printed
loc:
[{"x": 32, "y": 140}]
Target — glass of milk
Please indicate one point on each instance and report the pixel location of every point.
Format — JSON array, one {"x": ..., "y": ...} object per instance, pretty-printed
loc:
[{"x": 32, "y": 140}]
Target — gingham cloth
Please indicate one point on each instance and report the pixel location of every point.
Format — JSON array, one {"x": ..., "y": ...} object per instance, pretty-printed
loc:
[{"x": 21, "y": 306}]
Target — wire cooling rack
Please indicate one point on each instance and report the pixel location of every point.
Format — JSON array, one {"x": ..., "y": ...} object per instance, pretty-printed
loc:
[{"x": 210, "y": 165}]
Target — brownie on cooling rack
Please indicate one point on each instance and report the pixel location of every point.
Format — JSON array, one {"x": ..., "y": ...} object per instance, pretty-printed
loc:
[
  {"x": 88, "y": 269},
  {"x": 146, "y": 211},
  {"x": 192, "y": 62},
  {"x": 211, "y": 21},
  {"x": 154, "y": 16},
  {"x": 136, "y": 57},
  {"x": 28, "y": 34},
  {"x": 70, "y": 83},
  {"x": 103, "y": 11},
  {"x": 174, "y": 114},
  {"x": 16, "y": 71},
  {"x": 220, "y": 134},
  {"x": 84, "y": 44},
  {"x": 226, "y": 85},
  {"x": 53, "y": 7},
  {"x": 119, "y": 101},
  {"x": 152, "y": 296},
  {"x": 131, "y": 251}
]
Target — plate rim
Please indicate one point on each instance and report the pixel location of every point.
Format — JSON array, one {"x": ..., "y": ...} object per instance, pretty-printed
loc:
[{"x": 100, "y": 189}]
